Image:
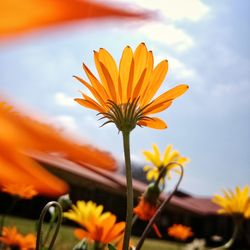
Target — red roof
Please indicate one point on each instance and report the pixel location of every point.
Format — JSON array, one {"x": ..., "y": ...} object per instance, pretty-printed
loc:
[{"x": 116, "y": 183}]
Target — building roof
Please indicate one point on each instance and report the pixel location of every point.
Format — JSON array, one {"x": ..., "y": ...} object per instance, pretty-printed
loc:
[{"x": 84, "y": 174}]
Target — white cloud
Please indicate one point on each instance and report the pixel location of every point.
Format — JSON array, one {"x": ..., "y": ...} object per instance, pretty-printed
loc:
[
  {"x": 66, "y": 123},
  {"x": 64, "y": 100},
  {"x": 175, "y": 10},
  {"x": 167, "y": 35},
  {"x": 176, "y": 67},
  {"x": 231, "y": 89}
]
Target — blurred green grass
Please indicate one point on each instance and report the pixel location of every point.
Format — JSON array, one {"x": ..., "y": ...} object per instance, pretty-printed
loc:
[{"x": 66, "y": 239}]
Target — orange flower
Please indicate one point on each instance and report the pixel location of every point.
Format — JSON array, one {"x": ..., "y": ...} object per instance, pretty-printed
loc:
[
  {"x": 145, "y": 210},
  {"x": 180, "y": 232},
  {"x": 10, "y": 237},
  {"x": 21, "y": 190},
  {"x": 105, "y": 231},
  {"x": 124, "y": 95}
]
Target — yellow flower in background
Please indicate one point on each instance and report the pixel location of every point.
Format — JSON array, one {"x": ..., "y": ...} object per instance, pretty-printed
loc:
[
  {"x": 85, "y": 213},
  {"x": 21, "y": 190},
  {"x": 98, "y": 226},
  {"x": 159, "y": 163},
  {"x": 124, "y": 94},
  {"x": 234, "y": 202}
]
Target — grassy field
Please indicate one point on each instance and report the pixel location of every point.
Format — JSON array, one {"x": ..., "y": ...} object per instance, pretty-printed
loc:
[{"x": 66, "y": 239}]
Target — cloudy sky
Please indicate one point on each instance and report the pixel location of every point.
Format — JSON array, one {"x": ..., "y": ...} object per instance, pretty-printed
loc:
[{"x": 207, "y": 46}]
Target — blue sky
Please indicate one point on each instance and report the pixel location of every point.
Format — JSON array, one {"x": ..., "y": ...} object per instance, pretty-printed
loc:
[{"x": 207, "y": 46}]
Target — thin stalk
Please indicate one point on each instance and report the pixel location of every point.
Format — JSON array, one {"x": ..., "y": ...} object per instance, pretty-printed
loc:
[
  {"x": 135, "y": 217},
  {"x": 159, "y": 210},
  {"x": 51, "y": 225},
  {"x": 40, "y": 224},
  {"x": 161, "y": 175},
  {"x": 128, "y": 227}
]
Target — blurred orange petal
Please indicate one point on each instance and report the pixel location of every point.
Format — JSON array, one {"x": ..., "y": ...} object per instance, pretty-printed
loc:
[
  {"x": 23, "y": 16},
  {"x": 22, "y": 190},
  {"x": 19, "y": 134}
]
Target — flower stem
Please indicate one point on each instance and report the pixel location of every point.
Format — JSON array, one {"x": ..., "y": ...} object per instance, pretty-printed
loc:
[
  {"x": 159, "y": 210},
  {"x": 129, "y": 215},
  {"x": 57, "y": 206}
]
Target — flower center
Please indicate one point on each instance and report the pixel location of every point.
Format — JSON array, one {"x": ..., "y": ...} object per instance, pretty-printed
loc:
[{"x": 125, "y": 116}]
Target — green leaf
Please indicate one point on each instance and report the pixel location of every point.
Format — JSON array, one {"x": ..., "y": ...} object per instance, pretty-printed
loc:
[
  {"x": 111, "y": 247},
  {"x": 82, "y": 245}
]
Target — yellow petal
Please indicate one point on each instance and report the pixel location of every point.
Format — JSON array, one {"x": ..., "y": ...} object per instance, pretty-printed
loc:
[
  {"x": 147, "y": 168},
  {"x": 167, "y": 154},
  {"x": 151, "y": 157},
  {"x": 157, "y": 154}
]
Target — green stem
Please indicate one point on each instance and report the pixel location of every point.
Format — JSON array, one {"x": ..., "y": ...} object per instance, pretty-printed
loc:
[
  {"x": 51, "y": 225},
  {"x": 129, "y": 215},
  {"x": 159, "y": 210},
  {"x": 40, "y": 224},
  {"x": 134, "y": 219}
]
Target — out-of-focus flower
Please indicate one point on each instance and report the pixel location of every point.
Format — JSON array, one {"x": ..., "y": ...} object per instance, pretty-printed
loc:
[
  {"x": 11, "y": 238},
  {"x": 148, "y": 205},
  {"x": 85, "y": 213},
  {"x": 21, "y": 190},
  {"x": 234, "y": 202},
  {"x": 98, "y": 226},
  {"x": 119, "y": 244},
  {"x": 124, "y": 95},
  {"x": 20, "y": 134},
  {"x": 180, "y": 232},
  {"x": 196, "y": 244},
  {"x": 159, "y": 164},
  {"x": 65, "y": 202},
  {"x": 145, "y": 210},
  {"x": 46, "y": 13}
]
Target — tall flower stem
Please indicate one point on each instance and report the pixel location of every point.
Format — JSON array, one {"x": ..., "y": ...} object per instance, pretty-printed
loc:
[
  {"x": 160, "y": 209},
  {"x": 128, "y": 227}
]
